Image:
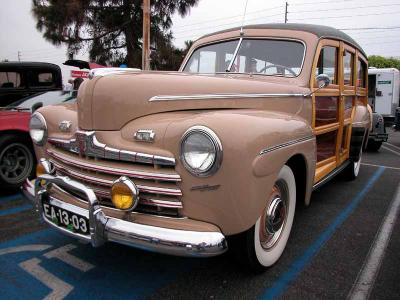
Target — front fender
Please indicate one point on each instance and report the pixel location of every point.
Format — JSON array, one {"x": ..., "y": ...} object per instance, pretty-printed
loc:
[{"x": 233, "y": 198}]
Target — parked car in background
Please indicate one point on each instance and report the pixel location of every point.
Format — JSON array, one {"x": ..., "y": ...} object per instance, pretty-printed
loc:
[
  {"x": 384, "y": 92},
  {"x": 377, "y": 134},
  {"x": 17, "y": 159},
  {"x": 217, "y": 154},
  {"x": 21, "y": 79}
]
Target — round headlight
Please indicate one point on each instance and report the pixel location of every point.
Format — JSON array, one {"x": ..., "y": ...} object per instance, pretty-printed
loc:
[
  {"x": 201, "y": 151},
  {"x": 38, "y": 129}
]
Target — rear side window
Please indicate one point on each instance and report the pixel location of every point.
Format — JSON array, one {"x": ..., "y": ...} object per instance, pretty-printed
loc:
[
  {"x": 10, "y": 80},
  {"x": 328, "y": 63},
  {"x": 42, "y": 79},
  {"x": 348, "y": 60},
  {"x": 361, "y": 71}
]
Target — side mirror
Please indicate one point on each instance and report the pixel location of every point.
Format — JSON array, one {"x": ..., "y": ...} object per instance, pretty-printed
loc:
[
  {"x": 36, "y": 106},
  {"x": 323, "y": 81}
]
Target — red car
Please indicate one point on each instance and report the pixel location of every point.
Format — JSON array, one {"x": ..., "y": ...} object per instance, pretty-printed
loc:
[{"x": 17, "y": 159}]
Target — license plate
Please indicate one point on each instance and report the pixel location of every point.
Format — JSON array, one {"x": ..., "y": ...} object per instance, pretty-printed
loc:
[{"x": 66, "y": 219}]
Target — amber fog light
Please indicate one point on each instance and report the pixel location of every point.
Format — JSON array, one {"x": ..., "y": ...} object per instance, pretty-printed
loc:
[{"x": 124, "y": 194}]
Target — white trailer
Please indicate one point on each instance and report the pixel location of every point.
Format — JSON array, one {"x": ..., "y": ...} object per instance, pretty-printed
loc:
[{"x": 383, "y": 91}]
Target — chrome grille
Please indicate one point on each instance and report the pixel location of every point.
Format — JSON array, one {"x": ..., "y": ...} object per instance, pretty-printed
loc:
[{"x": 157, "y": 184}]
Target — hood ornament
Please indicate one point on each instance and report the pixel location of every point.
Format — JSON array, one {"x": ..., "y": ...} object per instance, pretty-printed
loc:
[{"x": 65, "y": 126}]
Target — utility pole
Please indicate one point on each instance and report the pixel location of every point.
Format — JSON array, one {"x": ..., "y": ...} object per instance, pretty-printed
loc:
[
  {"x": 19, "y": 55},
  {"x": 146, "y": 36},
  {"x": 286, "y": 11}
]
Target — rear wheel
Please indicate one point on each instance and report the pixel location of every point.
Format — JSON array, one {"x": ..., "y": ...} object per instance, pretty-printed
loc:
[
  {"x": 16, "y": 161},
  {"x": 373, "y": 145},
  {"x": 263, "y": 244}
]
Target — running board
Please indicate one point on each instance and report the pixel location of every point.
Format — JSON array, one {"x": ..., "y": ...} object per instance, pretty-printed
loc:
[{"x": 330, "y": 175}]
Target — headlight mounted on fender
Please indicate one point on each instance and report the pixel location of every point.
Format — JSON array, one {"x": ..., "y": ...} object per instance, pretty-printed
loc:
[
  {"x": 201, "y": 151},
  {"x": 38, "y": 129}
]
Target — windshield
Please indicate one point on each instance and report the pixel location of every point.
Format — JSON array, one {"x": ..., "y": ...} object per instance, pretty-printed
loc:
[
  {"x": 48, "y": 98},
  {"x": 266, "y": 57}
]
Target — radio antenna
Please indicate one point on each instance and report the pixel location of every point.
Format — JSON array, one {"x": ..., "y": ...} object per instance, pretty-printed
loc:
[{"x": 244, "y": 17}]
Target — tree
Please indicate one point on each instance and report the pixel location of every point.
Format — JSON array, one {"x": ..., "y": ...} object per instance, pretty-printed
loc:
[
  {"x": 111, "y": 30},
  {"x": 383, "y": 62}
]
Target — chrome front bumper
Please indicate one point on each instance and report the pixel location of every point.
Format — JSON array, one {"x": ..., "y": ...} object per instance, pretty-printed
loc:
[{"x": 103, "y": 228}]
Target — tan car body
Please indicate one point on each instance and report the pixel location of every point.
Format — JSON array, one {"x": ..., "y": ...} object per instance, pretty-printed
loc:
[{"x": 263, "y": 122}]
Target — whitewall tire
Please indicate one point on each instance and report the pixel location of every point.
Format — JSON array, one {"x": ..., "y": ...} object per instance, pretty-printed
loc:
[{"x": 263, "y": 244}]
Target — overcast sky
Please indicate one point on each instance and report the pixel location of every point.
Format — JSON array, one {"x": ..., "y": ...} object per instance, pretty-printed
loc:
[{"x": 20, "y": 34}]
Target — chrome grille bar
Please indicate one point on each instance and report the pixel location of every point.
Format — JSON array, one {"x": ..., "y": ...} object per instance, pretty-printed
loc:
[
  {"x": 111, "y": 170},
  {"x": 86, "y": 143},
  {"x": 108, "y": 183}
]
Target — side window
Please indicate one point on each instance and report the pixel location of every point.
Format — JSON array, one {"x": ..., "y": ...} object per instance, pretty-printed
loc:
[
  {"x": 10, "y": 80},
  {"x": 42, "y": 79},
  {"x": 328, "y": 63},
  {"x": 348, "y": 60},
  {"x": 361, "y": 69}
]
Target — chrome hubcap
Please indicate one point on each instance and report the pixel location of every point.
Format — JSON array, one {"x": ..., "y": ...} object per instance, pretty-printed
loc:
[{"x": 274, "y": 216}]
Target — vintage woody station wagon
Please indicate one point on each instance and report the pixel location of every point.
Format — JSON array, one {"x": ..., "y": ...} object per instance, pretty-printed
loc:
[{"x": 215, "y": 155}]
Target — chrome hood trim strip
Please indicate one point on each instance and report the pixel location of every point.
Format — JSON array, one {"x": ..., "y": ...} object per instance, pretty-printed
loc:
[{"x": 219, "y": 96}]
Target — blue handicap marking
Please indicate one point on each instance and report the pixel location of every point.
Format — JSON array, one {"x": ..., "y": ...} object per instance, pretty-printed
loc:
[
  {"x": 22, "y": 206},
  {"x": 47, "y": 263}
]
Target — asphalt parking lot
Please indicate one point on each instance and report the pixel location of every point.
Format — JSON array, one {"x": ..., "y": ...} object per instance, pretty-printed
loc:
[{"x": 330, "y": 246}]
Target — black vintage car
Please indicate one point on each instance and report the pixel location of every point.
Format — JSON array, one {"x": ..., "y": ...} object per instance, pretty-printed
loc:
[{"x": 22, "y": 79}]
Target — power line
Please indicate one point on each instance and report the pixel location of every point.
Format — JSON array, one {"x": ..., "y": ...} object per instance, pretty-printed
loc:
[
  {"x": 351, "y": 16},
  {"x": 231, "y": 23},
  {"x": 344, "y": 8},
  {"x": 231, "y": 17}
]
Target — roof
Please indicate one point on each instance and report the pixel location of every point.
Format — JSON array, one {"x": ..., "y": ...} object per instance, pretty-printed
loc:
[
  {"x": 26, "y": 64},
  {"x": 319, "y": 30}
]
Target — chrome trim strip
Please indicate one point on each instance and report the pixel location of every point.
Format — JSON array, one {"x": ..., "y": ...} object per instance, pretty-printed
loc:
[
  {"x": 86, "y": 143},
  {"x": 330, "y": 175},
  {"x": 219, "y": 96},
  {"x": 161, "y": 203},
  {"x": 108, "y": 183},
  {"x": 212, "y": 136},
  {"x": 111, "y": 170},
  {"x": 280, "y": 146},
  {"x": 103, "y": 228}
]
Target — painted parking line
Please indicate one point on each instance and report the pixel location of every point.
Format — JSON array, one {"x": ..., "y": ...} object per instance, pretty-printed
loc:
[
  {"x": 393, "y": 151},
  {"x": 10, "y": 198},
  {"x": 15, "y": 210},
  {"x": 379, "y": 166},
  {"x": 366, "y": 278},
  {"x": 280, "y": 285},
  {"x": 394, "y": 146}
]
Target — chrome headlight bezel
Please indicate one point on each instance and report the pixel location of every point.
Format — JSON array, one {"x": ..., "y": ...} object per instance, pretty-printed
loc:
[
  {"x": 41, "y": 126},
  {"x": 217, "y": 145}
]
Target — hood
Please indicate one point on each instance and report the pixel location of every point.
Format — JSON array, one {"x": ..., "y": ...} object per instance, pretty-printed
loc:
[{"x": 109, "y": 102}]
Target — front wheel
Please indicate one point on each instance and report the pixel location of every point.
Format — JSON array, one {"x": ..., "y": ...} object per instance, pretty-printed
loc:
[{"x": 263, "y": 244}]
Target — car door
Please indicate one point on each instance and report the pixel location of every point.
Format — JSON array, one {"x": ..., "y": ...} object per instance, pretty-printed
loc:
[{"x": 333, "y": 106}]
